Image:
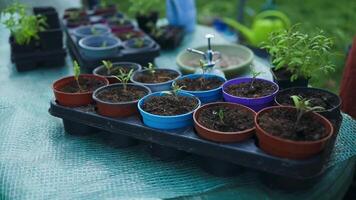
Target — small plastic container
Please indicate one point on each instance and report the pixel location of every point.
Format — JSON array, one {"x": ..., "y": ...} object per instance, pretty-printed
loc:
[
  {"x": 205, "y": 96},
  {"x": 255, "y": 103},
  {"x": 156, "y": 87},
  {"x": 167, "y": 122},
  {"x": 85, "y": 31},
  {"x": 103, "y": 46}
]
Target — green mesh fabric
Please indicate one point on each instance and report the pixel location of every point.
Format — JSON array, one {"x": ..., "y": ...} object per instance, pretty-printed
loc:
[{"x": 39, "y": 161}]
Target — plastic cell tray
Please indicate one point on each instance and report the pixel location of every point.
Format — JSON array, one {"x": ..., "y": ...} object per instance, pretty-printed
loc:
[{"x": 223, "y": 159}]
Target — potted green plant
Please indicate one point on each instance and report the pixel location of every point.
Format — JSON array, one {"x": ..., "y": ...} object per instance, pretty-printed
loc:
[
  {"x": 24, "y": 27},
  {"x": 297, "y": 56},
  {"x": 138, "y": 44},
  {"x": 224, "y": 122},
  {"x": 144, "y": 12},
  {"x": 120, "y": 99},
  {"x": 77, "y": 90},
  {"x": 157, "y": 79},
  {"x": 293, "y": 132},
  {"x": 109, "y": 70},
  {"x": 75, "y": 17},
  {"x": 105, "y": 8}
]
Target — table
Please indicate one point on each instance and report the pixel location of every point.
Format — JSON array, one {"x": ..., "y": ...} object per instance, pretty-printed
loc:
[{"x": 39, "y": 161}]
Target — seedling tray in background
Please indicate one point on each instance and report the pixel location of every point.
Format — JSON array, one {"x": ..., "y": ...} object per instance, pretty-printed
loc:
[
  {"x": 245, "y": 154},
  {"x": 88, "y": 64}
]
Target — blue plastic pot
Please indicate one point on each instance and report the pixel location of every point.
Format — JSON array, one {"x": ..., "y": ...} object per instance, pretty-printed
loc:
[
  {"x": 156, "y": 87},
  {"x": 130, "y": 44},
  {"x": 99, "y": 46},
  {"x": 205, "y": 96},
  {"x": 85, "y": 31},
  {"x": 255, "y": 103},
  {"x": 166, "y": 122}
]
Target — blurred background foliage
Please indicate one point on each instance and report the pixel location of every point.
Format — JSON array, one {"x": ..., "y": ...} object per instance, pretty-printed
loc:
[{"x": 336, "y": 17}]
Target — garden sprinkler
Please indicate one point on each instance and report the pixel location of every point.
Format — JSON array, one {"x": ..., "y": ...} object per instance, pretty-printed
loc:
[{"x": 208, "y": 56}]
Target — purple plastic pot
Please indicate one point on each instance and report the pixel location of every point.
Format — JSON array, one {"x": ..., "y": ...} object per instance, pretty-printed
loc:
[{"x": 255, "y": 103}]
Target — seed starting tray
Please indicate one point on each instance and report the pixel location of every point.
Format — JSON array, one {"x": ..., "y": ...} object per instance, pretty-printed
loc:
[
  {"x": 124, "y": 55},
  {"x": 82, "y": 120}
]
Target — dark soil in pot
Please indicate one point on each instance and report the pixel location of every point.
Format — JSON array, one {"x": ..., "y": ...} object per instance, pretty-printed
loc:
[
  {"x": 159, "y": 76},
  {"x": 115, "y": 70},
  {"x": 282, "y": 123},
  {"x": 116, "y": 94},
  {"x": 86, "y": 84},
  {"x": 200, "y": 84},
  {"x": 260, "y": 89},
  {"x": 235, "y": 119},
  {"x": 169, "y": 105},
  {"x": 317, "y": 98}
]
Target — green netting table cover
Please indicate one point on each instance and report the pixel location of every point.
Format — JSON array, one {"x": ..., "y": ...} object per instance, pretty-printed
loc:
[{"x": 39, "y": 161}]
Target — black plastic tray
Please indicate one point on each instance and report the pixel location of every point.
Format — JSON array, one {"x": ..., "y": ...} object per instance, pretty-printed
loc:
[
  {"x": 29, "y": 61},
  {"x": 82, "y": 120},
  {"x": 88, "y": 64}
]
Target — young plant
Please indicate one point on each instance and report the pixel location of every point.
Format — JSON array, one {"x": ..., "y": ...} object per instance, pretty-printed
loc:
[
  {"x": 303, "y": 106},
  {"x": 151, "y": 68},
  {"x": 204, "y": 67},
  {"x": 175, "y": 90},
  {"x": 254, "y": 76},
  {"x": 94, "y": 30},
  {"x": 76, "y": 69},
  {"x": 299, "y": 53},
  {"x": 124, "y": 78},
  {"x": 108, "y": 65},
  {"x": 139, "y": 42},
  {"x": 73, "y": 15},
  {"x": 220, "y": 114},
  {"x": 104, "y": 44},
  {"x": 22, "y": 26}
]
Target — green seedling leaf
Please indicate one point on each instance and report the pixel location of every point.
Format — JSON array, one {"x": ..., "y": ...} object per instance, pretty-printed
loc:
[
  {"x": 108, "y": 65},
  {"x": 124, "y": 77}
]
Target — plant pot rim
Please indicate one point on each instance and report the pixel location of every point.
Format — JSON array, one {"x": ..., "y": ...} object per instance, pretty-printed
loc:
[
  {"x": 221, "y": 132},
  {"x": 199, "y": 75},
  {"x": 95, "y": 71},
  {"x": 244, "y": 62},
  {"x": 154, "y": 84},
  {"x": 95, "y": 93},
  {"x": 75, "y": 32},
  {"x": 145, "y": 38},
  {"x": 113, "y": 46},
  {"x": 315, "y": 89},
  {"x": 228, "y": 83},
  {"x": 167, "y": 116},
  {"x": 72, "y": 77},
  {"x": 331, "y": 128}
]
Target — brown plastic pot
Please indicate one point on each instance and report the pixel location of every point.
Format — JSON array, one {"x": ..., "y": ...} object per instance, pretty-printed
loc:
[
  {"x": 288, "y": 148},
  {"x": 121, "y": 109},
  {"x": 112, "y": 79},
  {"x": 74, "y": 99},
  {"x": 218, "y": 136}
]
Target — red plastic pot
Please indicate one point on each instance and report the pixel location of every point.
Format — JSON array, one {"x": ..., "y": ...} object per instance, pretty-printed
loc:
[
  {"x": 74, "y": 99},
  {"x": 288, "y": 148},
  {"x": 218, "y": 136},
  {"x": 121, "y": 109}
]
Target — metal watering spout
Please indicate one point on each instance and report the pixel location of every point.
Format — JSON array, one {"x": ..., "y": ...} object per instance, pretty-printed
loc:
[{"x": 208, "y": 57}]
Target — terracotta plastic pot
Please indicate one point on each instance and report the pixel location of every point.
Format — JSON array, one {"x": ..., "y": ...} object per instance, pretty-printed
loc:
[
  {"x": 120, "y": 109},
  {"x": 288, "y": 148},
  {"x": 74, "y": 99},
  {"x": 218, "y": 136},
  {"x": 101, "y": 69}
]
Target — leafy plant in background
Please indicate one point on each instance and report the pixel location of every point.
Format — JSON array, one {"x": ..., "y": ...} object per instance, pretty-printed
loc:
[
  {"x": 108, "y": 65},
  {"x": 22, "y": 26},
  {"x": 303, "y": 106},
  {"x": 124, "y": 78},
  {"x": 142, "y": 7},
  {"x": 299, "y": 53},
  {"x": 76, "y": 69}
]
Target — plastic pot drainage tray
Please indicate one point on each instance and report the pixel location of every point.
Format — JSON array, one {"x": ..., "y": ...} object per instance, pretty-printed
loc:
[
  {"x": 139, "y": 55},
  {"x": 173, "y": 144}
]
